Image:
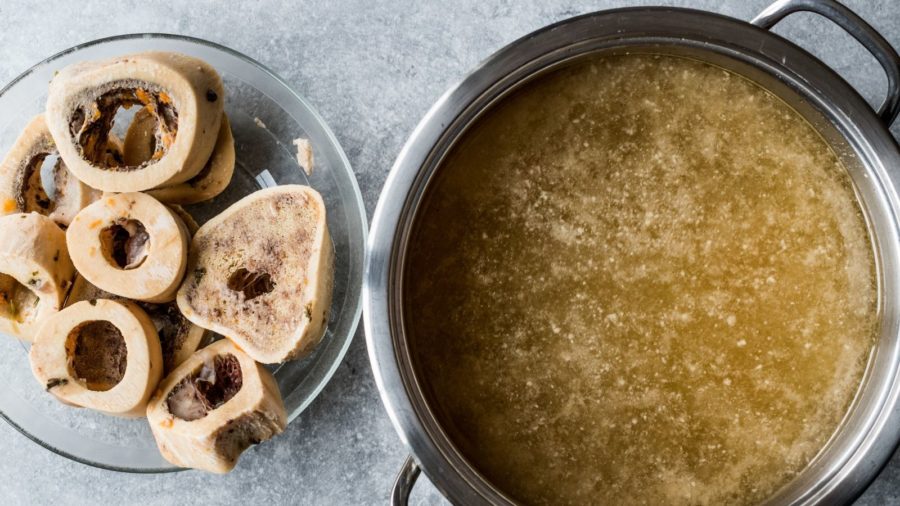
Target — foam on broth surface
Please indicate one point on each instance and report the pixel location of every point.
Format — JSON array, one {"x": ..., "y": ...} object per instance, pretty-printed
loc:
[{"x": 641, "y": 280}]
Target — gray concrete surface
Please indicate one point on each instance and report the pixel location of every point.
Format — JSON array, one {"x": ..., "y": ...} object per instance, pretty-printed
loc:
[{"x": 372, "y": 68}]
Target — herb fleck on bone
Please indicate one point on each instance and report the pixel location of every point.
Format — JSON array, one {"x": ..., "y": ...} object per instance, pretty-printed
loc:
[{"x": 56, "y": 382}]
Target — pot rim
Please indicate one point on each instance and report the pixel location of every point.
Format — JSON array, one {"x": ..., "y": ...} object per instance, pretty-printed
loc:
[{"x": 508, "y": 69}]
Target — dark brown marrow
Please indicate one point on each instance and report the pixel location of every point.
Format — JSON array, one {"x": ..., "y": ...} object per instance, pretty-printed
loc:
[
  {"x": 15, "y": 297},
  {"x": 252, "y": 284},
  {"x": 244, "y": 431},
  {"x": 30, "y": 194},
  {"x": 125, "y": 243},
  {"x": 97, "y": 354},
  {"x": 91, "y": 124},
  {"x": 207, "y": 388}
]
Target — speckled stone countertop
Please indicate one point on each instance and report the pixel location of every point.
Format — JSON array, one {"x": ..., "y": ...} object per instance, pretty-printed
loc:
[{"x": 372, "y": 68}]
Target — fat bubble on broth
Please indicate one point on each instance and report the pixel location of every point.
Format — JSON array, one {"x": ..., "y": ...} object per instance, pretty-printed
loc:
[{"x": 641, "y": 280}]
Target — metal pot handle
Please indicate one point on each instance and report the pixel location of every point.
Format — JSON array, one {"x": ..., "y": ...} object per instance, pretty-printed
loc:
[
  {"x": 404, "y": 483},
  {"x": 860, "y": 30}
]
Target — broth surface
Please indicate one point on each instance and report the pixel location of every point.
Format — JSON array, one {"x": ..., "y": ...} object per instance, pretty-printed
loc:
[{"x": 641, "y": 280}]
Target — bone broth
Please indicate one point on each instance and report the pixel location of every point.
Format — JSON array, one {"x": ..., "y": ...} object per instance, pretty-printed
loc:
[{"x": 640, "y": 280}]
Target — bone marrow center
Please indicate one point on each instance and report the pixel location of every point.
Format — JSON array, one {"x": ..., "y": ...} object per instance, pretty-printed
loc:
[
  {"x": 97, "y": 354},
  {"x": 38, "y": 186},
  {"x": 91, "y": 123},
  {"x": 251, "y": 284},
  {"x": 17, "y": 301},
  {"x": 125, "y": 243},
  {"x": 207, "y": 388}
]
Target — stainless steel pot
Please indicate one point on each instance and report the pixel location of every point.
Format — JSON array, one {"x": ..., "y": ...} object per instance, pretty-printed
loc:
[{"x": 870, "y": 432}]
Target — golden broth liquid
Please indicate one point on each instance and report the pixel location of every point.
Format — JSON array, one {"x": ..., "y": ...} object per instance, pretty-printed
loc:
[{"x": 641, "y": 280}]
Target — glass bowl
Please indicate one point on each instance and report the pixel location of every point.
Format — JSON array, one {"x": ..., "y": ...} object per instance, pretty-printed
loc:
[{"x": 266, "y": 116}]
